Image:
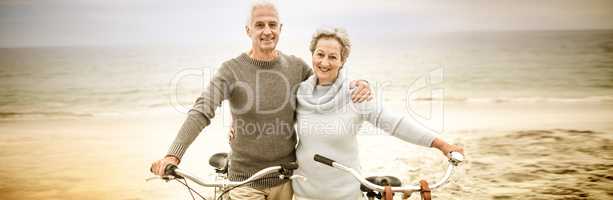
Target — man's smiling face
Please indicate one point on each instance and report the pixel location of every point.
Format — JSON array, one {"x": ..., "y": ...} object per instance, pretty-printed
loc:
[{"x": 263, "y": 29}]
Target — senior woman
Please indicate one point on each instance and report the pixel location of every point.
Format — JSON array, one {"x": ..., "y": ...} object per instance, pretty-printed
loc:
[{"x": 328, "y": 121}]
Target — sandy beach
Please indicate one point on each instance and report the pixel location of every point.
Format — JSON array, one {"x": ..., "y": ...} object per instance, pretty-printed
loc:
[
  {"x": 533, "y": 110},
  {"x": 108, "y": 157},
  {"x": 93, "y": 92},
  {"x": 552, "y": 164}
]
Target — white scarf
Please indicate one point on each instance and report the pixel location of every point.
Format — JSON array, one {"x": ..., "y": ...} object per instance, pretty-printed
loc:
[{"x": 336, "y": 96}]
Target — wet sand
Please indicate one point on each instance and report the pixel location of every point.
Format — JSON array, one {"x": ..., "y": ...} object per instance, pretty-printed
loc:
[
  {"x": 538, "y": 164},
  {"x": 108, "y": 158}
]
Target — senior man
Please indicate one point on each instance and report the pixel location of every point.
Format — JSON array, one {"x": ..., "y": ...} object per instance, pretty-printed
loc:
[{"x": 260, "y": 85}]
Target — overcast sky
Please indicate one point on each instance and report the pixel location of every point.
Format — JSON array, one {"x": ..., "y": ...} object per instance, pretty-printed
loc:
[{"x": 130, "y": 22}]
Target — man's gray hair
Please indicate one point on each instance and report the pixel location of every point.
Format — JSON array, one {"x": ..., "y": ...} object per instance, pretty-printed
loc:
[
  {"x": 260, "y": 4},
  {"x": 337, "y": 33}
]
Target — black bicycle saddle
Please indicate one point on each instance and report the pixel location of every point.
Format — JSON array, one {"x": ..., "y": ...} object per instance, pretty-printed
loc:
[{"x": 220, "y": 162}]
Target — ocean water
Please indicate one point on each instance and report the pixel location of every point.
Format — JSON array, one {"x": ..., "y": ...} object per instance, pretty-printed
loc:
[{"x": 475, "y": 67}]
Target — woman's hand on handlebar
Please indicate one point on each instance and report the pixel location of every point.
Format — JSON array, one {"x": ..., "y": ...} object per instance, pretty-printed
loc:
[
  {"x": 446, "y": 148},
  {"x": 158, "y": 166}
]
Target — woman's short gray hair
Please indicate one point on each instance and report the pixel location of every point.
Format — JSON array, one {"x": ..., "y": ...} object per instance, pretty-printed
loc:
[{"x": 337, "y": 33}]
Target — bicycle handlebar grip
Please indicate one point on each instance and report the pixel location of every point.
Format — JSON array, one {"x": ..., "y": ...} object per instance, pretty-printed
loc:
[
  {"x": 290, "y": 166},
  {"x": 170, "y": 170},
  {"x": 456, "y": 157},
  {"x": 324, "y": 160}
]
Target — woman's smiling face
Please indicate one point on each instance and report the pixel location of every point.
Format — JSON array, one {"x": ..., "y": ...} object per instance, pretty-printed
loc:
[{"x": 327, "y": 60}]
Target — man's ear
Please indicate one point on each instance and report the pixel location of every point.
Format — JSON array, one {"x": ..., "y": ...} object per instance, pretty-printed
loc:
[
  {"x": 247, "y": 30},
  {"x": 280, "y": 27}
]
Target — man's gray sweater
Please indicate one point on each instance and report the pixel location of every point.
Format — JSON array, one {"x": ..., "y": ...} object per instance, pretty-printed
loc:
[{"x": 262, "y": 101}]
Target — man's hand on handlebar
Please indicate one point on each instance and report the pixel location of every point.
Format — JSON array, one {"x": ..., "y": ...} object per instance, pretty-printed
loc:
[{"x": 158, "y": 166}]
